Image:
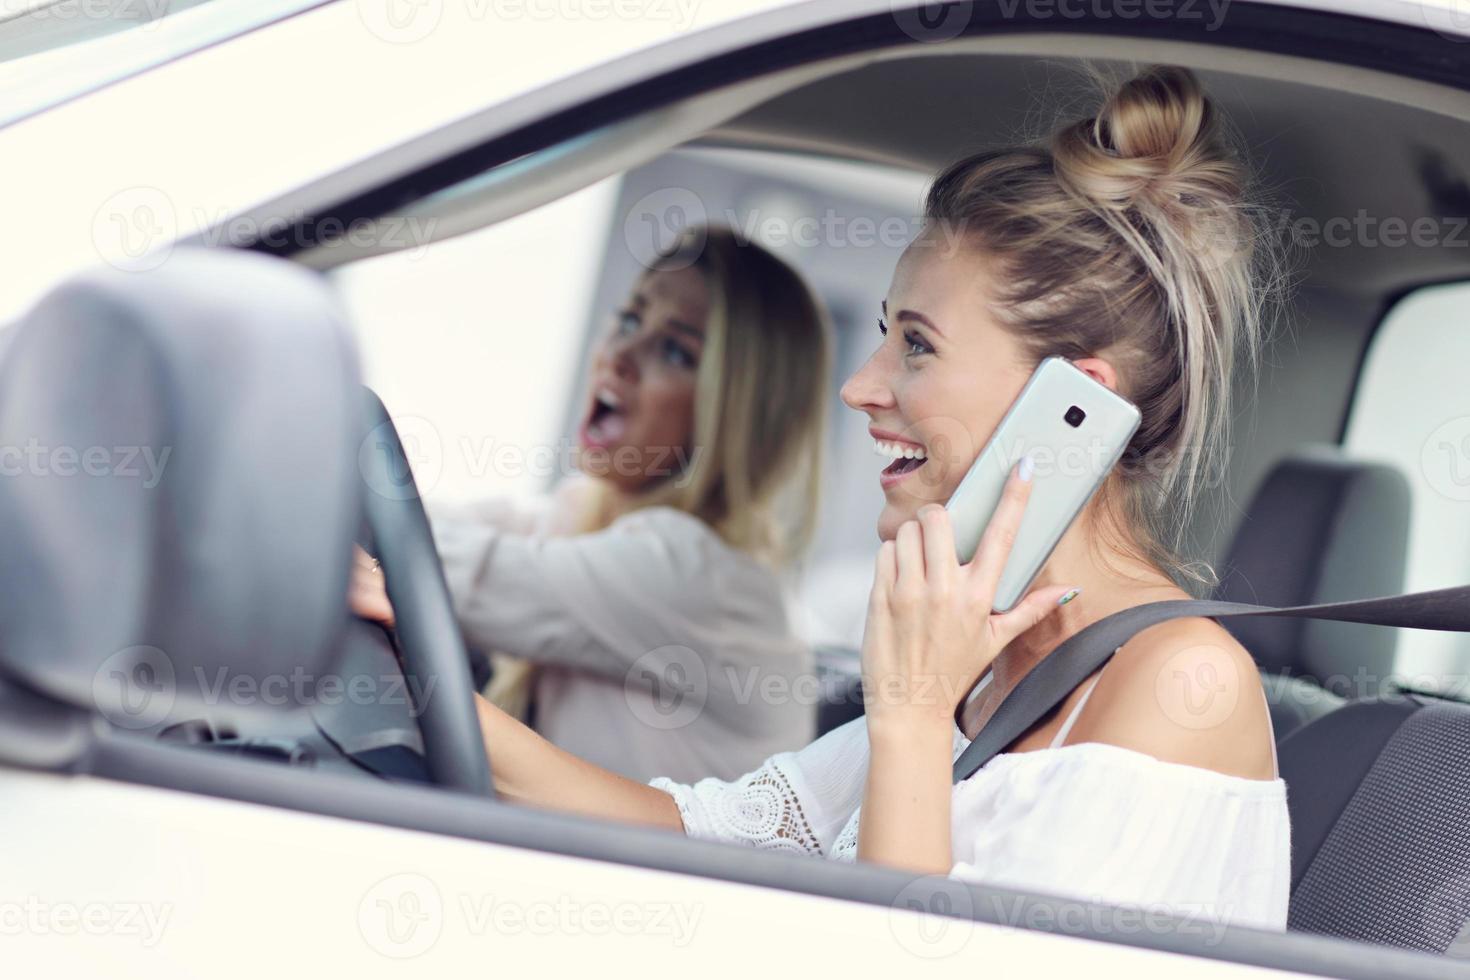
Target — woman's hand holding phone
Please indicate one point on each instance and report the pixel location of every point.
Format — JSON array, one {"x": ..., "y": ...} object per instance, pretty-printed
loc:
[
  {"x": 930, "y": 627},
  {"x": 931, "y": 631}
]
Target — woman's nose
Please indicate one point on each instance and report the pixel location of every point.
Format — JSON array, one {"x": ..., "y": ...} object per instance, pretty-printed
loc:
[
  {"x": 868, "y": 388},
  {"x": 622, "y": 357}
]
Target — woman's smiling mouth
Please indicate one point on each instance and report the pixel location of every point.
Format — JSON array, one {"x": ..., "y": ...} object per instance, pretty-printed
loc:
[{"x": 907, "y": 457}]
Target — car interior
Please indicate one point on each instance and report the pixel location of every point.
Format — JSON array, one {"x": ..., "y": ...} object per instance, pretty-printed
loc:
[{"x": 1309, "y": 509}]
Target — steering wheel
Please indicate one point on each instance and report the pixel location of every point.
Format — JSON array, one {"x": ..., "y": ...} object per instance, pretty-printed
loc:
[{"x": 434, "y": 658}]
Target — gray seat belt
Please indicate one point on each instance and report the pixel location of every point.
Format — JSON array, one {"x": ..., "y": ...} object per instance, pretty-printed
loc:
[{"x": 1049, "y": 682}]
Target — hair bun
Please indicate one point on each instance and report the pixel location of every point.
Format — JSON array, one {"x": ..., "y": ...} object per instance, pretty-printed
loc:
[
  {"x": 1155, "y": 140},
  {"x": 1158, "y": 115}
]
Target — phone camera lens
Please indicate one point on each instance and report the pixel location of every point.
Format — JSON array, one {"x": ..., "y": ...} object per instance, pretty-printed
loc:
[{"x": 1074, "y": 416}]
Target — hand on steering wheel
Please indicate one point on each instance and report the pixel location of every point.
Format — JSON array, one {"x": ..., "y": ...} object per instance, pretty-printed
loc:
[{"x": 367, "y": 592}]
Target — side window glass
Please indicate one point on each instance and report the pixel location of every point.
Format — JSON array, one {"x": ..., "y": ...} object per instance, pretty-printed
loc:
[{"x": 1412, "y": 408}]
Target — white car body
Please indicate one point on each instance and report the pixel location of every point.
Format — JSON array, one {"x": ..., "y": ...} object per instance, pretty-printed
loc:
[{"x": 140, "y": 883}]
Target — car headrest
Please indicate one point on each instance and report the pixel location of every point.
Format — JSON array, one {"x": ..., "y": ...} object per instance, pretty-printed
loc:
[
  {"x": 178, "y": 488},
  {"x": 1322, "y": 527}
]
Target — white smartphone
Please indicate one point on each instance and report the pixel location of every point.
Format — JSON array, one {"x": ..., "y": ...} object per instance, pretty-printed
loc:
[{"x": 1076, "y": 430}]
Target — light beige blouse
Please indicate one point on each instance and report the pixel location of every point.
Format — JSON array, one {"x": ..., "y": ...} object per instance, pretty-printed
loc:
[{"x": 662, "y": 650}]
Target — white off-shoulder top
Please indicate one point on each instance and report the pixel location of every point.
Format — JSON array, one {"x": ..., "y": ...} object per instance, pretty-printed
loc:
[{"x": 1090, "y": 821}]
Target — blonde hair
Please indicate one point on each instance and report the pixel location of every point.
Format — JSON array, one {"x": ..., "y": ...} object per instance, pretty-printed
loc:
[
  {"x": 760, "y": 403},
  {"x": 1129, "y": 238}
]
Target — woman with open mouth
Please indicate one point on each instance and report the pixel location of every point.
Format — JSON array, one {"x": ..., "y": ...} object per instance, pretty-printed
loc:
[
  {"x": 1125, "y": 245},
  {"x": 657, "y": 566}
]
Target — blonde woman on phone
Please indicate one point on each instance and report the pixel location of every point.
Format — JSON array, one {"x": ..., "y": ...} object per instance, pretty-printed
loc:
[
  {"x": 647, "y": 591},
  {"x": 1125, "y": 244}
]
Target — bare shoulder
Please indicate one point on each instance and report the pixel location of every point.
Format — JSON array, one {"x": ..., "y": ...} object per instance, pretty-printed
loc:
[{"x": 1183, "y": 691}]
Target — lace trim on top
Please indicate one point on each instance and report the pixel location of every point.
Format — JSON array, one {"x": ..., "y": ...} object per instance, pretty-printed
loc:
[
  {"x": 845, "y": 848},
  {"x": 760, "y": 809}
]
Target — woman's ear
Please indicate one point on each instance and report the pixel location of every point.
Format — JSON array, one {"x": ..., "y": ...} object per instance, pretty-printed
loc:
[{"x": 1100, "y": 370}]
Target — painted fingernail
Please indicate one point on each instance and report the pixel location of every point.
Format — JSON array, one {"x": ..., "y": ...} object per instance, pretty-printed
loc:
[
  {"x": 1068, "y": 596},
  {"x": 1027, "y": 469}
]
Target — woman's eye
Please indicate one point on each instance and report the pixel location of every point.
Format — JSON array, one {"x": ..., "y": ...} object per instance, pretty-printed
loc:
[
  {"x": 916, "y": 344},
  {"x": 677, "y": 355},
  {"x": 882, "y": 328},
  {"x": 627, "y": 322}
]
